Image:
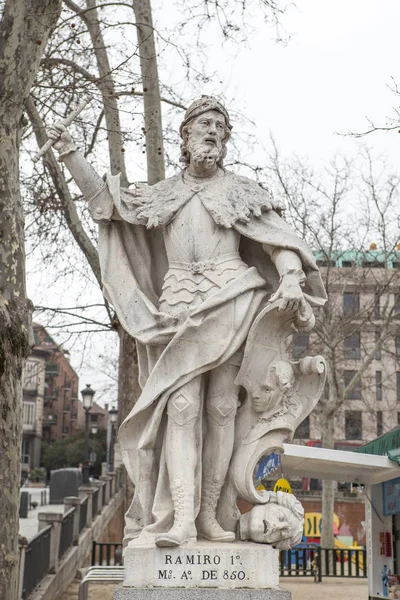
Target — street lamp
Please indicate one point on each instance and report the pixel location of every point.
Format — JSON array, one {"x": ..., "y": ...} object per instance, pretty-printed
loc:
[
  {"x": 87, "y": 401},
  {"x": 113, "y": 414}
]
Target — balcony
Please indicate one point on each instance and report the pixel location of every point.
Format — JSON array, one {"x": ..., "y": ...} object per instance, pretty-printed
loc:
[
  {"x": 52, "y": 370},
  {"x": 28, "y": 416}
]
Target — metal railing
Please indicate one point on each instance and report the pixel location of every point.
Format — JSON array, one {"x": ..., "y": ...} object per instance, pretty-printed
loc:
[
  {"x": 95, "y": 503},
  {"x": 106, "y": 554},
  {"x": 67, "y": 532},
  {"x": 37, "y": 561},
  {"x": 83, "y": 514},
  {"x": 313, "y": 561},
  {"x": 103, "y": 501}
]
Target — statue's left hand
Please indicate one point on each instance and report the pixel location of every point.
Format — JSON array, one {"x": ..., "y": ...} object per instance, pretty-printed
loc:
[{"x": 289, "y": 293}]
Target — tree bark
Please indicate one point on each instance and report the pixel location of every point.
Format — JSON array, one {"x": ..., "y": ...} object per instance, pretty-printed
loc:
[
  {"x": 24, "y": 30},
  {"x": 151, "y": 91},
  {"x": 328, "y": 488}
]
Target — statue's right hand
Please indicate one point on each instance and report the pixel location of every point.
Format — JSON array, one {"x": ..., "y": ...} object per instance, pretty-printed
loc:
[{"x": 60, "y": 134}]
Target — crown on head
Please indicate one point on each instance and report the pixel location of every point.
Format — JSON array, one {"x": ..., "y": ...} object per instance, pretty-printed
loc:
[{"x": 202, "y": 105}]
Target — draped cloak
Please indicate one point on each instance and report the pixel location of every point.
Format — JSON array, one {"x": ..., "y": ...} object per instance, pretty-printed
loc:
[{"x": 133, "y": 263}]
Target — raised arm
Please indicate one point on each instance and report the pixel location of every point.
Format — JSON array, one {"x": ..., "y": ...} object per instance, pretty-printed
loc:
[{"x": 85, "y": 177}]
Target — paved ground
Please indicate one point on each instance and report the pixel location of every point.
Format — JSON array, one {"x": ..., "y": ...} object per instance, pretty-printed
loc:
[
  {"x": 330, "y": 589},
  {"x": 29, "y": 527}
]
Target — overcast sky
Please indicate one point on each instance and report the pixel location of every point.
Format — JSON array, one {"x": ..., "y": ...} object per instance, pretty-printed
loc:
[
  {"x": 329, "y": 78},
  {"x": 333, "y": 74}
]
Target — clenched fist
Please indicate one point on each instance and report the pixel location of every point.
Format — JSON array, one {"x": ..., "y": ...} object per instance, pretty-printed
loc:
[{"x": 60, "y": 134}]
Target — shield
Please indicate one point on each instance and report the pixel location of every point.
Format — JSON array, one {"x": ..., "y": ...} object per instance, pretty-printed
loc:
[{"x": 281, "y": 393}]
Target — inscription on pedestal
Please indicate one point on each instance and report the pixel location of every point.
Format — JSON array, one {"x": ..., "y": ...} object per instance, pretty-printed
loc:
[
  {"x": 184, "y": 568},
  {"x": 204, "y": 565}
]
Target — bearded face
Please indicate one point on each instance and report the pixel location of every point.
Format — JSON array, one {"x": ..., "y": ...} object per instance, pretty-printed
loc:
[
  {"x": 205, "y": 141},
  {"x": 204, "y": 153}
]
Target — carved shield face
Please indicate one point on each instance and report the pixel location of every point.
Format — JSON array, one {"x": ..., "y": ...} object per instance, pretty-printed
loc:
[{"x": 274, "y": 524}]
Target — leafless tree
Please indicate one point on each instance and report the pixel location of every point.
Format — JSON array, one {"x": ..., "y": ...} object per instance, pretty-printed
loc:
[
  {"x": 93, "y": 49},
  {"x": 24, "y": 30},
  {"x": 340, "y": 213}
]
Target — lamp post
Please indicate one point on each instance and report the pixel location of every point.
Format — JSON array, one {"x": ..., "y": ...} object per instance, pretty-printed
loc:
[
  {"x": 87, "y": 401},
  {"x": 113, "y": 414}
]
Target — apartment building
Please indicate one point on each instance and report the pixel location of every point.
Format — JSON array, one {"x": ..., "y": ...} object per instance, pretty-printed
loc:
[
  {"x": 359, "y": 335},
  {"x": 61, "y": 384},
  {"x": 33, "y": 379}
]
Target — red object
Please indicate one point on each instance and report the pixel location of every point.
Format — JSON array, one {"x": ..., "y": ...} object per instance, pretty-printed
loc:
[{"x": 388, "y": 544}]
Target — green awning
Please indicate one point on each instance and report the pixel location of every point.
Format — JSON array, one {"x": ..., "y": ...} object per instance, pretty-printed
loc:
[{"x": 385, "y": 445}]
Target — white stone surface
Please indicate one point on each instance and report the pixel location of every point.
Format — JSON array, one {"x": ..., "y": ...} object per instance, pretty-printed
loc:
[
  {"x": 200, "y": 268},
  {"x": 202, "y": 565}
]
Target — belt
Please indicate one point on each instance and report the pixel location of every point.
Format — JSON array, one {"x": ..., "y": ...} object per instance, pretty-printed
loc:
[{"x": 204, "y": 265}]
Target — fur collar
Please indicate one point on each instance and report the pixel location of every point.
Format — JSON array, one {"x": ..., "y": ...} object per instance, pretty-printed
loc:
[{"x": 229, "y": 198}]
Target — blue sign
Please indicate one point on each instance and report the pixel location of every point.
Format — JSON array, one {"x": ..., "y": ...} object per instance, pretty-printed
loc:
[
  {"x": 267, "y": 465},
  {"x": 391, "y": 497}
]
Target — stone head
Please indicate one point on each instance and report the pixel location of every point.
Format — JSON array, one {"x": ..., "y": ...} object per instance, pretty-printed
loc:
[
  {"x": 274, "y": 386},
  {"x": 278, "y": 522},
  {"x": 205, "y": 132}
]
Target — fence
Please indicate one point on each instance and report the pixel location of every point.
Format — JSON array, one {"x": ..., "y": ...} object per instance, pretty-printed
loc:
[
  {"x": 322, "y": 562},
  {"x": 83, "y": 514},
  {"x": 67, "y": 532},
  {"x": 37, "y": 561},
  {"x": 61, "y": 532},
  {"x": 95, "y": 503},
  {"x": 106, "y": 554}
]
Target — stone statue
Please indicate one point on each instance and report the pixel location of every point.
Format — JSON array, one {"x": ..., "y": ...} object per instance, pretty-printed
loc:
[
  {"x": 279, "y": 521},
  {"x": 210, "y": 280}
]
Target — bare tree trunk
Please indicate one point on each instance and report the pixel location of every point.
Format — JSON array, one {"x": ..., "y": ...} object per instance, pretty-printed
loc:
[
  {"x": 328, "y": 488},
  {"x": 128, "y": 384},
  {"x": 151, "y": 91},
  {"x": 24, "y": 30}
]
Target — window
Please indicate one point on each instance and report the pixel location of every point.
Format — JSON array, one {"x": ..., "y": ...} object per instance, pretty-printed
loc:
[
  {"x": 398, "y": 418},
  {"x": 378, "y": 385},
  {"x": 28, "y": 413},
  {"x": 300, "y": 344},
  {"x": 397, "y": 342},
  {"x": 351, "y": 303},
  {"x": 52, "y": 369},
  {"x": 355, "y": 394},
  {"x": 377, "y": 305},
  {"x": 347, "y": 263},
  {"x": 303, "y": 430},
  {"x": 372, "y": 264},
  {"x": 352, "y": 345},
  {"x": 353, "y": 424},
  {"x": 397, "y": 303},
  {"x": 379, "y": 424},
  {"x": 398, "y": 386},
  {"x": 378, "y": 351},
  {"x": 326, "y": 263}
]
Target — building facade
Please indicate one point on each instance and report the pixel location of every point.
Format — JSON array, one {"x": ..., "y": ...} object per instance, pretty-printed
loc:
[
  {"x": 33, "y": 378},
  {"x": 361, "y": 341},
  {"x": 61, "y": 384}
]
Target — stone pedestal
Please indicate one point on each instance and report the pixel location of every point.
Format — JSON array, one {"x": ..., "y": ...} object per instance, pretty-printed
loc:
[
  {"x": 240, "y": 565},
  {"x": 123, "y": 593}
]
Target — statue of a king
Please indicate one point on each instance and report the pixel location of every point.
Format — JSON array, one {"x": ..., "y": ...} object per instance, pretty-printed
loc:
[{"x": 188, "y": 263}]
